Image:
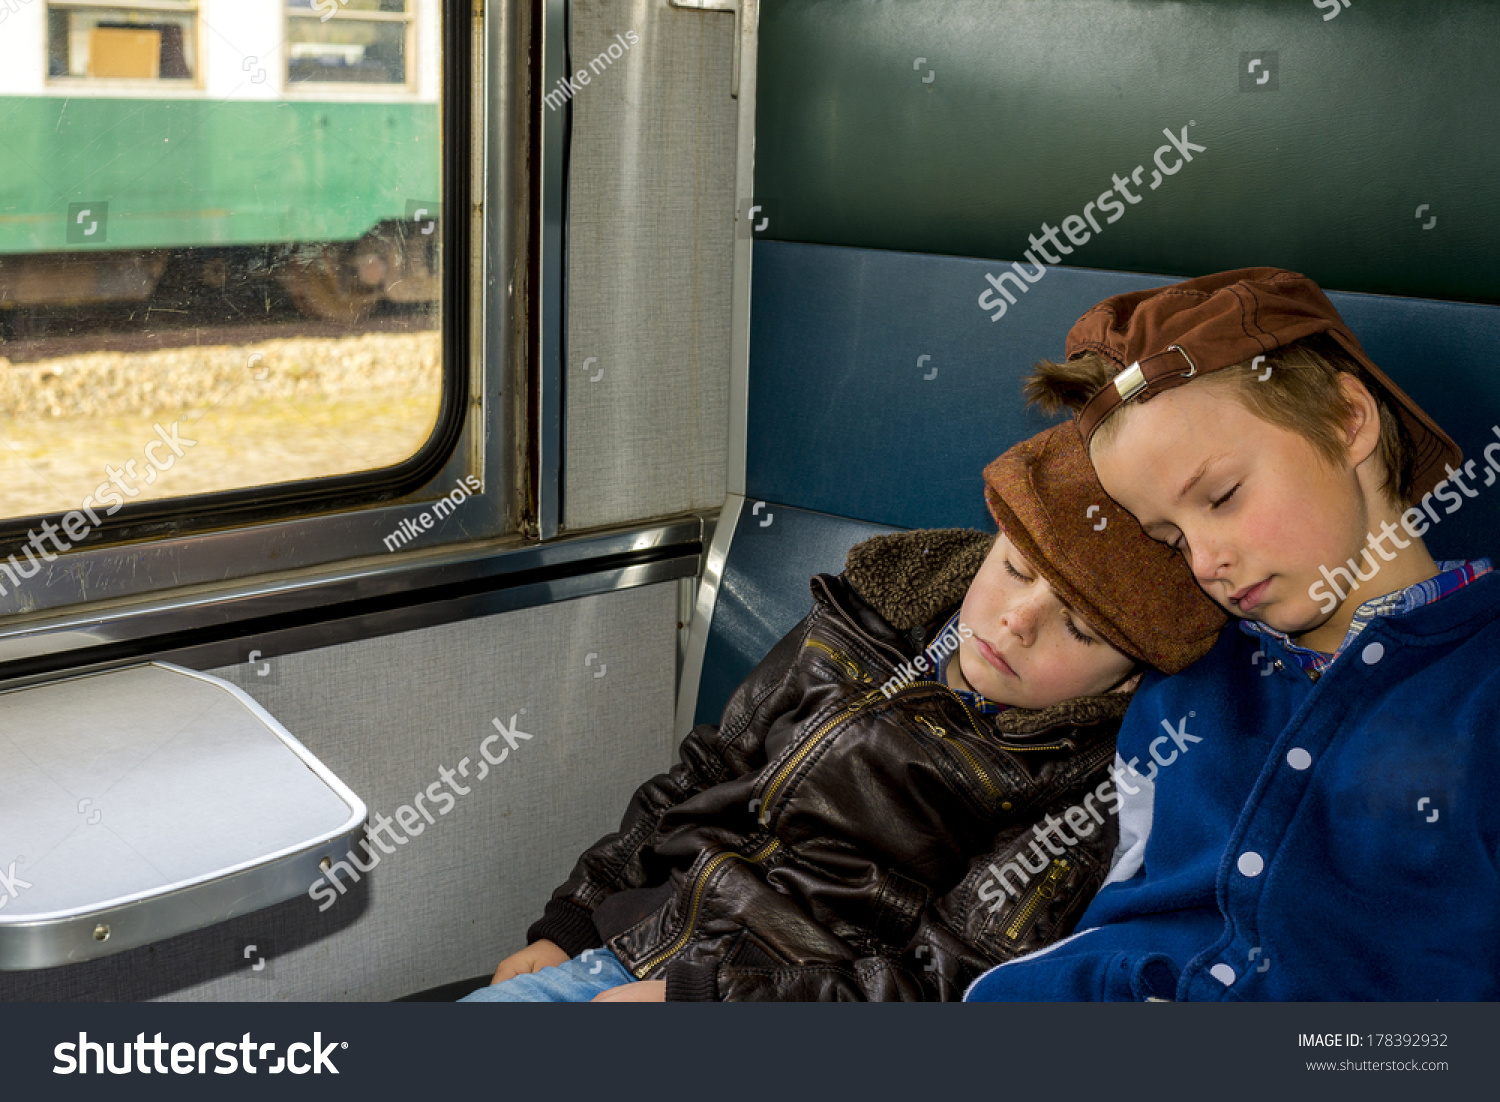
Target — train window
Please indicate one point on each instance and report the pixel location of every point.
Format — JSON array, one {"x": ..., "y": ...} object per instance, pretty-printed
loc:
[
  {"x": 148, "y": 41},
  {"x": 235, "y": 294},
  {"x": 348, "y": 41}
]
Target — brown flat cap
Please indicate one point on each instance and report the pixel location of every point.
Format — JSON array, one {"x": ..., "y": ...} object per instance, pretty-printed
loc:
[
  {"x": 1165, "y": 336},
  {"x": 1137, "y": 593}
]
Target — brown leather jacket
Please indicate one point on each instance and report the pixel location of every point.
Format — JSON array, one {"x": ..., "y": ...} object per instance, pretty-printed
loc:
[{"x": 824, "y": 841}]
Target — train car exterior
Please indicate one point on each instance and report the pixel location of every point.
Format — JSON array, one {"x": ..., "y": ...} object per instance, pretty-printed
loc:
[{"x": 281, "y": 137}]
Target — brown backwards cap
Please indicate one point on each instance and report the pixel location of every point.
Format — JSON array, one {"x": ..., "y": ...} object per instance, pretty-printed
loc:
[
  {"x": 1164, "y": 336},
  {"x": 1137, "y": 593}
]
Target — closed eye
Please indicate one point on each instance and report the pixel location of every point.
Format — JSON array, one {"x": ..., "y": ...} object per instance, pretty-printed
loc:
[
  {"x": 1076, "y": 633},
  {"x": 1177, "y": 544},
  {"x": 1226, "y": 497},
  {"x": 1072, "y": 628}
]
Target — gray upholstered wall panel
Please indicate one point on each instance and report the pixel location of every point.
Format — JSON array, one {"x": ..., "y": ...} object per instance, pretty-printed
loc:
[
  {"x": 385, "y": 714},
  {"x": 650, "y": 225}
]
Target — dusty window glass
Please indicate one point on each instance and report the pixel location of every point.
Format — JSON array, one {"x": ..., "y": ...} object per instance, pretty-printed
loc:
[
  {"x": 156, "y": 41},
  {"x": 347, "y": 41},
  {"x": 228, "y": 285}
]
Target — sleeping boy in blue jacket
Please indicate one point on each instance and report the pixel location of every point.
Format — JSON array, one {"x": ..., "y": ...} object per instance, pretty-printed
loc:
[{"x": 1309, "y": 810}]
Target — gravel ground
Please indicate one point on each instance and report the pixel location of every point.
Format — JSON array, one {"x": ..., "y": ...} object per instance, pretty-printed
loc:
[{"x": 259, "y": 413}]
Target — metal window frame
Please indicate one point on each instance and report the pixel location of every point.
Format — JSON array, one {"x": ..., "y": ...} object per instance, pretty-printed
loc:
[
  {"x": 323, "y": 503},
  {"x": 207, "y": 627},
  {"x": 75, "y": 594},
  {"x": 429, "y": 466},
  {"x": 555, "y": 127}
]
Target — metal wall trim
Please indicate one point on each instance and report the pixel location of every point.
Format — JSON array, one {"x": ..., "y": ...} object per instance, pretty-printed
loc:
[
  {"x": 232, "y": 614},
  {"x": 500, "y": 313},
  {"x": 744, "y": 245},
  {"x": 551, "y": 349},
  {"x": 703, "y": 614},
  {"x": 278, "y": 644}
]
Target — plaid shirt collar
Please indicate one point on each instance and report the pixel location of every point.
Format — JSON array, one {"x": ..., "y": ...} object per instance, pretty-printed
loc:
[
  {"x": 940, "y": 662},
  {"x": 1453, "y": 575}
]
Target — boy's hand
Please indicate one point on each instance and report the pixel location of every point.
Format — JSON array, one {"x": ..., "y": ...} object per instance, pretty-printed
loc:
[
  {"x": 645, "y": 991},
  {"x": 536, "y": 956}
]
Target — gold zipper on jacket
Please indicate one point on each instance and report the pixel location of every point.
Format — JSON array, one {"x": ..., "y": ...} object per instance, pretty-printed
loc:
[
  {"x": 968, "y": 755},
  {"x": 699, "y": 887},
  {"x": 1009, "y": 745},
  {"x": 807, "y": 747},
  {"x": 1043, "y": 891},
  {"x": 842, "y": 660}
]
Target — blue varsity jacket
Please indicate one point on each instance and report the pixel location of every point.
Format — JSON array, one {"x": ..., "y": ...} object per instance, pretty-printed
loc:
[{"x": 1301, "y": 837}]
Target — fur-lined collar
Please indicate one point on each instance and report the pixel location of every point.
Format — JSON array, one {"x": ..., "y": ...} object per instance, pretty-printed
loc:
[{"x": 912, "y": 577}]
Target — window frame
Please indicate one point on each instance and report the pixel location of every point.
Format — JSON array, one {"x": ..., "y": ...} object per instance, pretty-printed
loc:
[
  {"x": 235, "y": 536},
  {"x": 195, "y": 83},
  {"x": 245, "y": 595}
]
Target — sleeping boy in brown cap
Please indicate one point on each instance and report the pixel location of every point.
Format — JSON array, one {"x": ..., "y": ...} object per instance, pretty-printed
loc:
[{"x": 891, "y": 801}]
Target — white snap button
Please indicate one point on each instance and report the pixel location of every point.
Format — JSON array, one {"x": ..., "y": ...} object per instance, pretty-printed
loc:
[
  {"x": 1372, "y": 653},
  {"x": 1298, "y": 758},
  {"x": 1223, "y": 973},
  {"x": 1251, "y": 863}
]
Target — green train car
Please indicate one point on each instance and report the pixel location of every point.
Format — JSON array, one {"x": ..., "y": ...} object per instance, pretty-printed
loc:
[{"x": 214, "y": 142}]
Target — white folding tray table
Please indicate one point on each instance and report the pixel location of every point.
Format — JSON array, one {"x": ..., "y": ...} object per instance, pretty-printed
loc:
[{"x": 144, "y": 802}]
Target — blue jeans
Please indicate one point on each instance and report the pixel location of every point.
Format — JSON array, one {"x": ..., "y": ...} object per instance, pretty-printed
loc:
[{"x": 577, "y": 981}]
